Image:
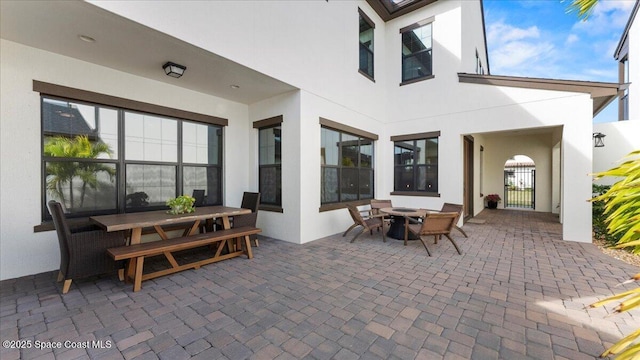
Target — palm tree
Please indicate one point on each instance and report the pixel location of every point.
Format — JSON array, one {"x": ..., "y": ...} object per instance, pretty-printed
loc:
[
  {"x": 64, "y": 172},
  {"x": 583, "y": 7}
]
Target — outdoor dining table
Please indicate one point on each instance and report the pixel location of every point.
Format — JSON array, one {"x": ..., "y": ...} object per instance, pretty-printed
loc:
[
  {"x": 136, "y": 222},
  {"x": 399, "y": 228}
]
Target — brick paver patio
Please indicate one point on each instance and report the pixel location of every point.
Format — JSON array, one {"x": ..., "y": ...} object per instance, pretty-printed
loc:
[{"x": 517, "y": 292}]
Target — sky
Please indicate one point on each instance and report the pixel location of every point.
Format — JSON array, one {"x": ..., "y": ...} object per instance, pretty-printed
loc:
[{"x": 538, "y": 38}]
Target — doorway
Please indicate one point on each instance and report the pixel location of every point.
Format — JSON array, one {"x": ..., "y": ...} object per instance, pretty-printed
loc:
[{"x": 520, "y": 183}]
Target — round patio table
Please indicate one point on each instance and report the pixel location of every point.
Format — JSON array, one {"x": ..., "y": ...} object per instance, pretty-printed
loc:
[{"x": 399, "y": 228}]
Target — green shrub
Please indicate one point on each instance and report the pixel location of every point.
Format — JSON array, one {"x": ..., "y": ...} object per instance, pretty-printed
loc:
[{"x": 599, "y": 219}]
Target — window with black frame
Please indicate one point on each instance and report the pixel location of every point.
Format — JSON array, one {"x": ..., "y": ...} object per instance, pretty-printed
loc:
[
  {"x": 101, "y": 160},
  {"x": 366, "y": 27},
  {"x": 417, "y": 61},
  {"x": 346, "y": 165},
  {"x": 416, "y": 164},
  {"x": 270, "y": 166}
]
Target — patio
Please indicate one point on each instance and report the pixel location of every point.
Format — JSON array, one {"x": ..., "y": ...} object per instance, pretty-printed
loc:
[{"x": 517, "y": 292}]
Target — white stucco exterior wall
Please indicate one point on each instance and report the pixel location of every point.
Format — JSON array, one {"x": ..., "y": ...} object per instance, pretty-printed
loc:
[
  {"x": 331, "y": 87},
  {"x": 23, "y": 252},
  {"x": 622, "y": 137}
]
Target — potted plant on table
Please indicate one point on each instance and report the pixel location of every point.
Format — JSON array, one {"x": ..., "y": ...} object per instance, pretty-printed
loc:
[
  {"x": 492, "y": 200},
  {"x": 181, "y": 205}
]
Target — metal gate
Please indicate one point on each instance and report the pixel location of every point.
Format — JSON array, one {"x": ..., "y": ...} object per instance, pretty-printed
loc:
[{"x": 519, "y": 185}]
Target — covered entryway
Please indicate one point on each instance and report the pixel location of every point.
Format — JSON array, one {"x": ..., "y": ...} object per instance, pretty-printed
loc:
[{"x": 519, "y": 182}]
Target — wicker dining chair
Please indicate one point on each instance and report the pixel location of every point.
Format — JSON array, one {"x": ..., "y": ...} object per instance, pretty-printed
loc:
[
  {"x": 368, "y": 224},
  {"x": 376, "y": 205},
  {"x": 436, "y": 225},
  {"x": 84, "y": 253},
  {"x": 448, "y": 207}
]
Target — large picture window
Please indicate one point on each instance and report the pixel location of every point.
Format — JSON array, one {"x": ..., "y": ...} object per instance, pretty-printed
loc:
[
  {"x": 417, "y": 59},
  {"x": 366, "y": 44},
  {"x": 270, "y": 162},
  {"x": 346, "y": 166},
  {"x": 416, "y": 163},
  {"x": 101, "y": 159}
]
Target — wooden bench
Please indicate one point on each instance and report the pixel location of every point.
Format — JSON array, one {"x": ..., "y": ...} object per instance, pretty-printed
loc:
[{"x": 136, "y": 253}]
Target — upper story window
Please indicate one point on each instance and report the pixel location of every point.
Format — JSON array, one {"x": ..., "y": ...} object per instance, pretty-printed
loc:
[
  {"x": 366, "y": 45},
  {"x": 104, "y": 159},
  {"x": 346, "y": 163},
  {"x": 270, "y": 162},
  {"x": 624, "y": 99},
  {"x": 416, "y": 164},
  {"x": 417, "y": 59},
  {"x": 479, "y": 68}
]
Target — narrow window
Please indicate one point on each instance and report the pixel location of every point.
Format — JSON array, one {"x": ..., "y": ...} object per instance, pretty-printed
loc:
[
  {"x": 366, "y": 45},
  {"x": 270, "y": 163},
  {"x": 417, "y": 62}
]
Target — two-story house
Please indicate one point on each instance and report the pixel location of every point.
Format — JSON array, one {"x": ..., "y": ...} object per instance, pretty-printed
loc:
[
  {"x": 313, "y": 103},
  {"x": 621, "y": 137}
]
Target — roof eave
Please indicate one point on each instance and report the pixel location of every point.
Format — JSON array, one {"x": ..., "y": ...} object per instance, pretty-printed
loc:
[
  {"x": 602, "y": 93},
  {"x": 625, "y": 33}
]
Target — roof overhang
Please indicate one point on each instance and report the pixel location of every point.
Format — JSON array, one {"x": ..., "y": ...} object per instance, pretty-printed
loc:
[
  {"x": 391, "y": 9},
  {"x": 623, "y": 45},
  {"x": 602, "y": 93}
]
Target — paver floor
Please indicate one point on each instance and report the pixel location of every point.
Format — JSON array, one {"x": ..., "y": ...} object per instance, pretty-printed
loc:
[{"x": 517, "y": 292}]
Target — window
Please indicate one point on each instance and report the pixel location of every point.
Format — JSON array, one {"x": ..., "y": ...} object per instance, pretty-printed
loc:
[
  {"x": 346, "y": 163},
  {"x": 104, "y": 159},
  {"x": 366, "y": 45},
  {"x": 416, "y": 164},
  {"x": 270, "y": 162},
  {"x": 417, "y": 61},
  {"x": 479, "y": 68},
  {"x": 624, "y": 99}
]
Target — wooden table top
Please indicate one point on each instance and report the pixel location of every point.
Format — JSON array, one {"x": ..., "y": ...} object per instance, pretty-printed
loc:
[
  {"x": 116, "y": 222},
  {"x": 406, "y": 212}
]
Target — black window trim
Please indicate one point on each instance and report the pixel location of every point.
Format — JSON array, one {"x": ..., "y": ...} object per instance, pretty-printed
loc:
[
  {"x": 368, "y": 20},
  {"x": 342, "y": 128},
  {"x": 421, "y": 23},
  {"x": 413, "y": 137},
  {"x": 121, "y": 105},
  {"x": 268, "y": 123}
]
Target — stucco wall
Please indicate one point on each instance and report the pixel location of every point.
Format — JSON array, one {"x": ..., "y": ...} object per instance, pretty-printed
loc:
[
  {"x": 634, "y": 69},
  {"x": 24, "y": 252},
  {"x": 622, "y": 137}
]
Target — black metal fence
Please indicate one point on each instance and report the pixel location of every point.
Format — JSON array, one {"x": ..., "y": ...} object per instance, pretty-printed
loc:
[{"x": 519, "y": 186}]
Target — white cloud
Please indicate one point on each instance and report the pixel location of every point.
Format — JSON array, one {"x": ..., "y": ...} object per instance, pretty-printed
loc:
[
  {"x": 606, "y": 15},
  {"x": 571, "y": 39},
  {"x": 501, "y": 32},
  {"x": 514, "y": 50}
]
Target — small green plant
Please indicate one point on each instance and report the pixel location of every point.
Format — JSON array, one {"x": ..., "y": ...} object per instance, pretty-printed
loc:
[{"x": 181, "y": 205}]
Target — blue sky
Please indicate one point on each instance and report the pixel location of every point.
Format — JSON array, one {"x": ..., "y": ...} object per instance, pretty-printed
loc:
[{"x": 538, "y": 38}]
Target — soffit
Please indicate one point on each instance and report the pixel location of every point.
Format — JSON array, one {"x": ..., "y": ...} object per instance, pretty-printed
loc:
[
  {"x": 602, "y": 93},
  {"x": 130, "y": 47},
  {"x": 391, "y": 9}
]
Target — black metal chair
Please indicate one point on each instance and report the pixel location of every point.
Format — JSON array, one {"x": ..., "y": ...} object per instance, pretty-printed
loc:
[
  {"x": 199, "y": 196},
  {"x": 84, "y": 253},
  {"x": 246, "y": 220},
  {"x": 251, "y": 200}
]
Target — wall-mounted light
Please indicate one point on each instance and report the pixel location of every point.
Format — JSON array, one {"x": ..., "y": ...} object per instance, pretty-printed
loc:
[
  {"x": 173, "y": 69},
  {"x": 598, "y": 139}
]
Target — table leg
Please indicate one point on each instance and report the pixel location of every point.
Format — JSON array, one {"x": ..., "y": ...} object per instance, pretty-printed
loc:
[
  {"x": 136, "y": 237},
  {"x": 406, "y": 230}
]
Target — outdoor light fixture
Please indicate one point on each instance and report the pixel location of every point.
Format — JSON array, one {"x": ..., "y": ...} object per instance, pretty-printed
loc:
[
  {"x": 173, "y": 69},
  {"x": 598, "y": 139}
]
